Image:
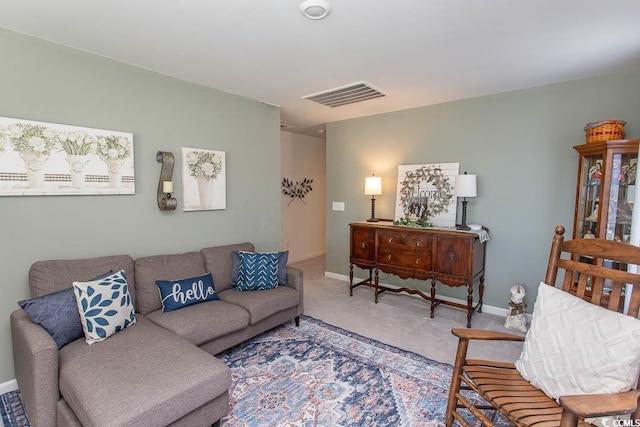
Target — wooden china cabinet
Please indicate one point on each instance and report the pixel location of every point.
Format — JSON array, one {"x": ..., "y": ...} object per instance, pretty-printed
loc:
[
  {"x": 604, "y": 202},
  {"x": 605, "y": 189}
]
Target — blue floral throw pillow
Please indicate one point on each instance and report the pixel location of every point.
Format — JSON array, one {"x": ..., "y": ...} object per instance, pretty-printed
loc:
[
  {"x": 283, "y": 258},
  {"x": 105, "y": 306},
  {"x": 180, "y": 293},
  {"x": 258, "y": 271},
  {"x": 57, "y": 313}
]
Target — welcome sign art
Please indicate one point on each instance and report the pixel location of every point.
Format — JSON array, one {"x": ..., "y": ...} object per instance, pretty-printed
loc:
[{"x": 425, "y": 193}]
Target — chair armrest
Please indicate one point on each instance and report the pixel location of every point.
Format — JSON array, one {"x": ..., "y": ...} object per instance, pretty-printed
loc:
[
  {"x": 483, "y": 334},
  {"x": 35, "y": 357},
  {"x": 295, "y": 281},
  {"x": 598, "y": 405}
]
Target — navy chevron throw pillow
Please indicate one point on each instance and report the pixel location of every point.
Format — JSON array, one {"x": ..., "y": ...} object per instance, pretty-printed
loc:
[
  {"x": 282, "y": 267},
  {"x": 258, "y": 271}
]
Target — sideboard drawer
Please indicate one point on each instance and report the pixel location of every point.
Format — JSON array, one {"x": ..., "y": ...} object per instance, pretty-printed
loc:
[
  {"x": 404, "y": 240},
  {"x": 417, "y": 260}
]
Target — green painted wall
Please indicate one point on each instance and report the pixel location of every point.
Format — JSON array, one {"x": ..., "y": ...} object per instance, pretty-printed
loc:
[
  {"x": 47, "y": 82},
  {"x": 518, "y": 143}
]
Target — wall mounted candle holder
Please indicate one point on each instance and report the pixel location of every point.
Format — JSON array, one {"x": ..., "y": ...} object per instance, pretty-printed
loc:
[{"x": 165, "y": 184}]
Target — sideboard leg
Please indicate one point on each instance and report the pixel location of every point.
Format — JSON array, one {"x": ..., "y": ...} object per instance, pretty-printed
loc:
[
  {"x": 376, "y": 285},
  {"x": 350, "y": 280},
  {"x": 469, "y": 303},
  {"x": 433, "y": 297},
  {"x": 480, "y": 294}
]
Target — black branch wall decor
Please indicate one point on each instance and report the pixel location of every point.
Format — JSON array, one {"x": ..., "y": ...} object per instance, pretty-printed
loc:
[{"x": 297, "y": 190}]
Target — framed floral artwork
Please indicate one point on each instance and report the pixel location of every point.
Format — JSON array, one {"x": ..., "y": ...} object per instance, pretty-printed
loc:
[
  {"x": 425, "y": 194},
  {"x": 203, "y": 179},
  {"x": 39, "y": 158}
]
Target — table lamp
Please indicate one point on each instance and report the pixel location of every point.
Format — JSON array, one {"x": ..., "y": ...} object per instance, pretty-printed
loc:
[
  {"x": 465, "y": 187},
  {"x": 373, "y": 188}
]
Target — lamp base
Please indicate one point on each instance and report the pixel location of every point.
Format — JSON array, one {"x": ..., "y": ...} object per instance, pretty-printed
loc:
[
  {"x": 373, "y": 210},
  {"x": 464, "y": 225}
]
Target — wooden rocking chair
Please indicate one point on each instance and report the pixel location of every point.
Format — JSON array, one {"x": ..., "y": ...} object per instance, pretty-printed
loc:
[{"x": 502, "y": 386}]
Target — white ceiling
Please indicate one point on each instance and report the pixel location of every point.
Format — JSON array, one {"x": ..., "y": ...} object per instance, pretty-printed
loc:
[{"x": 418, "y": 52}]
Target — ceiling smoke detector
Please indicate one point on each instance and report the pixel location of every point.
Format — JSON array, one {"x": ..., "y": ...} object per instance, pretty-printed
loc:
[{"x": 315, "y": 9}]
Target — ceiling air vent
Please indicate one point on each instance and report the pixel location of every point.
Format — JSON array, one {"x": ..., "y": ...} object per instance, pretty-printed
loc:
[{"x": 354, "y": 92}]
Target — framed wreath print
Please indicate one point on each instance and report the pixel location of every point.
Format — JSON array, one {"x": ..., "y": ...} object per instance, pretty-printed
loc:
[
  {"x": 424, "y": 194},
  {"x": 203, "y": 179},
  {"x": 40, "y": 158}
]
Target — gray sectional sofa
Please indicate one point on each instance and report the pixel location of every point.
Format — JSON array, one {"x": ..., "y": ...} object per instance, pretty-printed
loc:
[{"x": 159, "y": 371}]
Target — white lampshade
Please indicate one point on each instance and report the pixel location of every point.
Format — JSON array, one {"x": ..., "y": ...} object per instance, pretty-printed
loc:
[
  {"x": 465, "y": 186},
  {"x": 373, "y": 186}
]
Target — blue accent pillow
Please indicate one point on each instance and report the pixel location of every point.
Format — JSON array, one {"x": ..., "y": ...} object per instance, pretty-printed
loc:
[
  {"x": 282, "y": 267},
  {"x": 57, "y": 313},
  {"x": 180, "y": 293},
  {"x": 258, "y": 271},
  {"x": 105, "y": 306}
]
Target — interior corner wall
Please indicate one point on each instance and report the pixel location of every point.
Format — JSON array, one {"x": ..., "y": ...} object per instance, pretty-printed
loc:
[
  {"x": 520, "y": 145},
  {"x": 304, "y": 220},
  {"x": 47, "y": 82}
]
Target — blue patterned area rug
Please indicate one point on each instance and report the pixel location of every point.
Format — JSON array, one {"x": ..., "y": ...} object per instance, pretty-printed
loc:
[
  {"x": 12, "y": 412},
  {"x": 320, "y": 375}
]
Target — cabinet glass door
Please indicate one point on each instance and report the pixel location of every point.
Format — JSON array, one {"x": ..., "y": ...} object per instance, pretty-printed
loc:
[
  {"x": 588, "y": 207},
  {"x": 621, "y": 197}
]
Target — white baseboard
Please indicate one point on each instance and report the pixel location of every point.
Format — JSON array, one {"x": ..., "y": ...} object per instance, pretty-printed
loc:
[
  {"x": 306, "y": 257},
  {"x": 489, "y": 309},
  {"x": 11, "y": 385}
]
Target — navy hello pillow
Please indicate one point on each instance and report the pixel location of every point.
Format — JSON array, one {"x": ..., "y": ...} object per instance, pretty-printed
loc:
[{"x": 180, "y": 293}]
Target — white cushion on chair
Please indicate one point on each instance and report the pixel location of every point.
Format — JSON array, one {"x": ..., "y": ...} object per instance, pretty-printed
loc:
[{"x": 575, "y": 347}]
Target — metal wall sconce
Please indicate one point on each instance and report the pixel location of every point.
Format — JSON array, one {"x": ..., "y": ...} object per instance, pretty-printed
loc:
[{"x": 165, "y": 185}]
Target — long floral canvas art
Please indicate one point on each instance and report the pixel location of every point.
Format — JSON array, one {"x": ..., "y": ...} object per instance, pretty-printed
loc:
[
  {"x": 203, "y": 179},
  {"x": 39, "y": 158}
]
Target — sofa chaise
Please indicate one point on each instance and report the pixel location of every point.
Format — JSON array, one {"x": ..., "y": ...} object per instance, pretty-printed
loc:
[{"x": 158, "y": 371}]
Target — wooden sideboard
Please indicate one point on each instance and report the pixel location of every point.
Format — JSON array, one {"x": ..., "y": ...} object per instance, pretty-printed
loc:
[{"x": 454, "y": 258}]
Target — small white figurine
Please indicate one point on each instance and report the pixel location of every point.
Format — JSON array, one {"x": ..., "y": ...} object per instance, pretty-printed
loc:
[{"x": 515, "y": 319}]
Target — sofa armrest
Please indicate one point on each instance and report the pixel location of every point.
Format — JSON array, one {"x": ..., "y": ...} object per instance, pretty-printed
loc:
[
  {"x": 294, "y": 280},
  {"x": 35, "y": 357}
]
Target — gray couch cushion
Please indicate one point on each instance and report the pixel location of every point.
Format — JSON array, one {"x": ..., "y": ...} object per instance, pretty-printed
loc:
[
  {"x": 142, "y": 376},
  {"x": 202, "y": 322},
  {"x": 163, "y": 267},
  {"x": 217, "y": 260},
  {"x": 50, "y": 276},
  {"x": 262, "y": 304}
]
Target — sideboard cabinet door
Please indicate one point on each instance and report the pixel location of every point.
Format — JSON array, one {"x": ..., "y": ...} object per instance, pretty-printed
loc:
[
  {"x": 363, "y": 244},
  {"x": 453, "y": 256}
]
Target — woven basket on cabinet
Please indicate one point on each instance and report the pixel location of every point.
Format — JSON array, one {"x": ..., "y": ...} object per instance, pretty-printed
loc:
[{"x": 605, "y": 130}]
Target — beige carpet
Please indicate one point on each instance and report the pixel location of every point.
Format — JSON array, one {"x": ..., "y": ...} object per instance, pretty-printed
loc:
[{"x": 398, "y": 319}]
